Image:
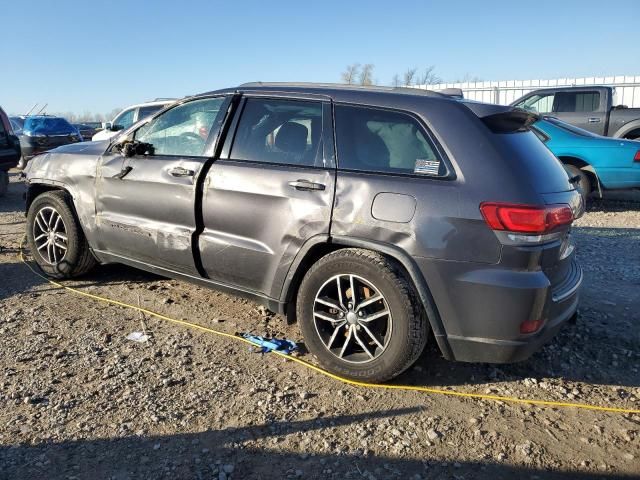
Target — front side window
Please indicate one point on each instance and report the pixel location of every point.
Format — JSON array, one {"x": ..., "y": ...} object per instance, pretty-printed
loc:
[
  {"x": 577, "y": 102},
  {"x": 279, "y": 131},
  {"x": 377, "y": 140},
  {"x": 538, "y": 103},
  {"x": 183, "y": 130},
  {"x": 124, "y": 120}
]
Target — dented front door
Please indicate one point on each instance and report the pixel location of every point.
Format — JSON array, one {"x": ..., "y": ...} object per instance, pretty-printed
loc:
[{"x": 148, "y": 214}]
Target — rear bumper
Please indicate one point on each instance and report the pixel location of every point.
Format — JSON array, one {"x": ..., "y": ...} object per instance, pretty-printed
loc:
[{"x": 482, "y": 309}]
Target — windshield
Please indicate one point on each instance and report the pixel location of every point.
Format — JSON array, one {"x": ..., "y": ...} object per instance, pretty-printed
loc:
[
  {"x": 48, "y": 126},
  {"x": 570, "y": 128}
]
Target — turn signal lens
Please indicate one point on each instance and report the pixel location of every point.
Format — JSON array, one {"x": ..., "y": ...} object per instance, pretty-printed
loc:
[
  {"x": 636, "y": 158},
  {"x": 525, "y": 218}
]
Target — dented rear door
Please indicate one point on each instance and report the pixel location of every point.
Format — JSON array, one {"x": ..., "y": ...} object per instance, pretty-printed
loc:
[{"x": 268, "y": 194}]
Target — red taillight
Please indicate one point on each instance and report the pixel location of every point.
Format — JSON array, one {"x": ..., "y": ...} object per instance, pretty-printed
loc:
[
  {"x": 531, "y": 326},
  {"x": 636, "y": 158},
  {"x": 525, "y": 218}
]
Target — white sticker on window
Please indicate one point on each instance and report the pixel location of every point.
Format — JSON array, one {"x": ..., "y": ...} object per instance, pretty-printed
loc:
[{"x": 427, "y": 167}]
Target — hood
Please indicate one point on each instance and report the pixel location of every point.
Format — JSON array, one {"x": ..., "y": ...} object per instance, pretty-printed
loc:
[{"x": 84, "y": 148}]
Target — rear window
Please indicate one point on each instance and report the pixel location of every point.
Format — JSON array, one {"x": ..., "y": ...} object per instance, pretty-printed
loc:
[
  {"x": 377, "y": 140},
  {"x": 48, "y": 126},
  {"x": 535, "y": 162}
]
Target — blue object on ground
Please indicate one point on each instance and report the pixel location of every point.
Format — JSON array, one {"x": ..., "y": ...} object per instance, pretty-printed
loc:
[{"x": 281, "y": 345}]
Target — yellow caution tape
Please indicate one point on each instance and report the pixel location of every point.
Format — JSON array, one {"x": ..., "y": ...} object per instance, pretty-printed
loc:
[{"x": 382, "y": 386}]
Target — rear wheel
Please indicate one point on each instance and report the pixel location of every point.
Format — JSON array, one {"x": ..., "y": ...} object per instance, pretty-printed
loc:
[
  {"x": 360, "y": 316},
  {"x": 583, "y": 185},
  {"x": 55, "y": 238}
]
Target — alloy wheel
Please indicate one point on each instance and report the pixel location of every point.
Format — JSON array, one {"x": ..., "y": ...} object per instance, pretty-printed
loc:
[
  {"x": 50, "y": 235},
  {"x": 352, "y": 318}
]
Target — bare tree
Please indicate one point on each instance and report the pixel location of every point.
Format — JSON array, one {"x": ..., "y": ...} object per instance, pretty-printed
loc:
[
  {"x": 366, "y": 75},
  {"x": 396, "y": 80},
  {"x": 409, "y": 75},
  {"x": 351, "y": 73},
  {"x": 428, "y": 77}
]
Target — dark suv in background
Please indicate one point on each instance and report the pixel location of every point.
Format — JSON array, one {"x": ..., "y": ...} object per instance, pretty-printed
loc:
[
  {"x": 375, "y": 217},
  {"x": 43, "y": 132}
]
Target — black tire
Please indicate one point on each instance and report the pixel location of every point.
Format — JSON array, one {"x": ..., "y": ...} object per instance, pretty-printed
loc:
[
  {"x": 409, "y": 326},
  {"x": 4, "y": 182},
  {"x": 584, "y": 184},
  {"x": 77, "y": 259}
]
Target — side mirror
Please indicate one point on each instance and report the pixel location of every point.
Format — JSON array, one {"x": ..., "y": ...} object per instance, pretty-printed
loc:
[
  {"x": 106, "y": 125},
  {"x": 116, "y": 128}
]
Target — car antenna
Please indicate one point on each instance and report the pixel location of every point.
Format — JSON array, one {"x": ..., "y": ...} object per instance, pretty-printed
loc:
[{"x": 34, "y": 106}]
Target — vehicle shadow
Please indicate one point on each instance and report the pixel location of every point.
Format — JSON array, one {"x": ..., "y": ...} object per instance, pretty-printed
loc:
[
  {"x": 21, "y": 280},
  {"x": 242, "y": 449}
]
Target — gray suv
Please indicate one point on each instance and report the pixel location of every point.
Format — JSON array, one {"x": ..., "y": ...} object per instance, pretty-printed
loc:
[{"x": 375, "y": 217}]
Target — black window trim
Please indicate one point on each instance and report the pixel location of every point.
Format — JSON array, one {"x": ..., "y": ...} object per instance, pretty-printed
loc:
[
  {"x": 328, "y": 151},
  {"x": 426, "y": 131}
]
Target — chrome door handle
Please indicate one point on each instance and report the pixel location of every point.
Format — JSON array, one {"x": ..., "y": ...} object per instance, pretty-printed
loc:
[
  {"x": 181, "y": 172},
  {"x": 306, "y": 185},
  {"x": 594, "y": 120}
]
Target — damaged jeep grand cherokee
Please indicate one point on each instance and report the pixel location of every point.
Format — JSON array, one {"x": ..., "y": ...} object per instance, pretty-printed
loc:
[{"x": 375, "y": 217}]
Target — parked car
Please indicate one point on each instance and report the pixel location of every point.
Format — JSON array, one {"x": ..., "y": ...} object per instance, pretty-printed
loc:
[
  {"x": 87, "y": 131},
  {"x": 9, "y": 151},
  {"x": 129, "y": 116},
  {"x": 45, "y": 132},
  {"x": 592, "y": 108},
  {"x": 401, "y": 228},
  {"x": 595, "y": 161}
]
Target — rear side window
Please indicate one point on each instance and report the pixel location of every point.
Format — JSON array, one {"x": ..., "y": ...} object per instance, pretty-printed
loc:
[
  {"x": 576, "y": 102},
  {"x": 376, "y": 140},
  {"x": 285, "y": 132}
]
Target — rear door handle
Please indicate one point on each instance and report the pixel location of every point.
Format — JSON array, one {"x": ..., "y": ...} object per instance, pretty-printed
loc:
[
  {"x": 181, "y": 172},
  {"x": 594, "y": 120},
  {"x": 306, "y": 185}
]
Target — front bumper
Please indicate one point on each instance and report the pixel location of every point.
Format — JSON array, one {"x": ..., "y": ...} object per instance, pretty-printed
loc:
[{"x": 481, "y": 310}]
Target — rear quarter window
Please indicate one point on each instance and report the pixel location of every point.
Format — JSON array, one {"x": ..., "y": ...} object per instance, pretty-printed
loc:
[{"x": 385, "y": 141}]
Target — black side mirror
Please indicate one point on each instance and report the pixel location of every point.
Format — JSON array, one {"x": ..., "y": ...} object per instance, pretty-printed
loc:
[
  {"x": 116, "y": 128},
  {"x": 132, "y": 148}
]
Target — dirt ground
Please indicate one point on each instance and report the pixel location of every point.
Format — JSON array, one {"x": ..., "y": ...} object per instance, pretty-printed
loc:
[{"x": 80, "y": 401}]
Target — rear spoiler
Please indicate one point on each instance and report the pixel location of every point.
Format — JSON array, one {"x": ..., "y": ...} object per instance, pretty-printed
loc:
[{"x": 503, "y": 119}]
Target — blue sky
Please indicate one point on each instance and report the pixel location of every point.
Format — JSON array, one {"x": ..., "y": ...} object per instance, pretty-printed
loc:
[{"x": 96, "y": 56}]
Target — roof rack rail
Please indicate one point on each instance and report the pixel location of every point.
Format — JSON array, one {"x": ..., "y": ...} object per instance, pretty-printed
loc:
[{"x": 344, "y": 86}]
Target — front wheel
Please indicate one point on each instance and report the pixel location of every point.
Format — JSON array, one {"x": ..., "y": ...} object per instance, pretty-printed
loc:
[
  {"x": 55, "y": 238},
  {"x": 360, "y": 316}
]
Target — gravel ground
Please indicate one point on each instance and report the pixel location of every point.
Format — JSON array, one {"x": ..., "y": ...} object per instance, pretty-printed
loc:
[{"x": 78, "y": 400}]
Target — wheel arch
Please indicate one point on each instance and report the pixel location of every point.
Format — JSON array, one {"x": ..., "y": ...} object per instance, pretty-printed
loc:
[
  {"x": 629, "y": 130},
  {"x": 325, "y": 245},
  {"x": 586, "y": 167},
  {"x": 35, "y": 189}
]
